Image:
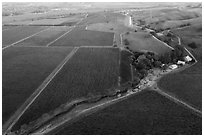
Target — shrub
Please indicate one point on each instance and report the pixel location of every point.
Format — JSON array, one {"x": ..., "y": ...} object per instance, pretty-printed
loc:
[{"x": 115, "y": 45}]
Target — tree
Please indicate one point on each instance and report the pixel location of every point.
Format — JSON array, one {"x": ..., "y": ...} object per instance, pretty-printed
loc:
[
  {"x": 157, "y": 64},
  {"x": 137, "y": 54},
  {"x": 147, "y": 62},
  {"x": 140, "y": 66},
  {"x": 136, "y": 81},
  {"x": 166, "y": 58},
  {"x": 156, "y": 57},
  {"x": 192, "y": 45},
  {"x": 141, "y": 22},
  {"x": 178, "y": 52},
  {"x": 143, "y": 72},
  {"x": 126, "y": 42}
]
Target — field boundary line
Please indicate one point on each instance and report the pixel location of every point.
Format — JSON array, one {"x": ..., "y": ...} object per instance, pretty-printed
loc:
[
  {"x": 121, "y": 39},
  {"x": 191, "y": 54},
  {"x": 162, "y": 42},
  {"x": 119, "y": 64},
  {"x": 9, "y": 124},
  {"x": 25, "y": 38},
  {"x": 131, "y": 68},
  {"x": 44, "y": 47},
  {"x": 82, "y": 19},
  {"x": 114, "y": 41},
  {"x": 60, "y": 36},
  {"x": 97, "y": 47},
  {"x": 176, "y": 100}
]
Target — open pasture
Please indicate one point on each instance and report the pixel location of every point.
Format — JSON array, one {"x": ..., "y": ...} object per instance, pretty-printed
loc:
[
  {"x": 189, "y": 35},
  {"x": 178, "y": 23},
  {"x": 163, "y": 18},
  {"x": 90, "y": 72},
  {"x": 15, "y": 34},
  {"x": 45, "y": 37},
  {"x": 142, "y": 41},
  {"x": 23, "y": 70},
  {"x": 143, "y": 114},
  {"x": 81, "y": 37}
]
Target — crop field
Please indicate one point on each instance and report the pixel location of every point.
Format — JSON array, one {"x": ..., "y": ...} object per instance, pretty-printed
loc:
[
  {"x": 108, "y": 27},
  {"x": 4, "y": 28},
  {"x": 116, "y": 28},
  {"x": 29, "y": 17},
  {"x": 104, "y": 17},
  {"x": 90, "y": 72},
  {"x": 78, "y": 68},
  {"x": 45, "y": 37},
  {"x": 48, "y": 22},
  {"x": 185, "y": 85},
  {"x": 115, "y": 18},
  {"x": 145, "y": 113},
  {"x": 80, "y": 37},
  {"x": 94, "y": 18},
  {"x": 12, "y": 35},
  {"x": 125, "y": 68},
  {"x": 142, "y": 41},
  {"x": 23, "y": 70}
]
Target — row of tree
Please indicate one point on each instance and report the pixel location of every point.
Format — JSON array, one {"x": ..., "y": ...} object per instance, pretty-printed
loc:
[{"x": 173, "y": 56}]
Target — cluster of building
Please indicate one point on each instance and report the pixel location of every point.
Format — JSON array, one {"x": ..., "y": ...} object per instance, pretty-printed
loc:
[{"x": 181, "y": 63}]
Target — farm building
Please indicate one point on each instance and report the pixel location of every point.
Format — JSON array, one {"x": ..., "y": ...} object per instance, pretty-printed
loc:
[
  {"x": 187, "y": 58},
  {"x": 160, "y": 34},
  {"x": 180, "y": 62},
  {"x": 173, "y": 66}
]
